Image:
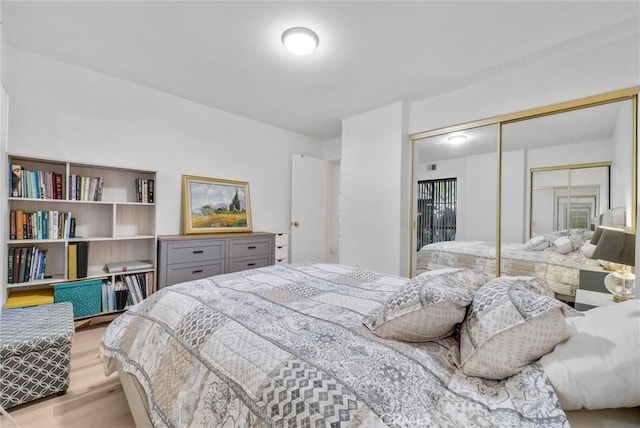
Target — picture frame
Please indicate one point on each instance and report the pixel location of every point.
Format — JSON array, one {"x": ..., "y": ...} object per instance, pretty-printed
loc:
[{"x": 215, "y": 205}]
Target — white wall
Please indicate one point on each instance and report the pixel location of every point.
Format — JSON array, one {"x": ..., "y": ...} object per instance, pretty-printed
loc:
[
  {"x": 371, "y": 175},
  {"x": 331, "y": 149},
  {"x": 603, "y": 68},
  {"x": 66, "y": 112}
]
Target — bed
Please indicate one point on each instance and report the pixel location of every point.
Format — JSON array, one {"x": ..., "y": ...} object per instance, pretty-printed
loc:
[
  {"x": 561, "y": 271},
  {"x": 286, "y": 346}
]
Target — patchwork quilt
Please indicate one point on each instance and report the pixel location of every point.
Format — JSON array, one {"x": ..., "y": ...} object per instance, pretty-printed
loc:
[
  {"x": 285, "y": 346},
  {"x": 561, "y": 271}
]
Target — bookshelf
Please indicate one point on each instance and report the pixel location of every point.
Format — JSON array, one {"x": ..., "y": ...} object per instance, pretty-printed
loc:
[{"x": 97, "y": 204}]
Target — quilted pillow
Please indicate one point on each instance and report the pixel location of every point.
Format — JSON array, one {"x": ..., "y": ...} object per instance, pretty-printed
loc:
[
  {"x": 538, "y": 243},
  {"x": 511, "y": 322},
  {"x": 426, "y": 308},
  {"x": 563, "y": 245}
]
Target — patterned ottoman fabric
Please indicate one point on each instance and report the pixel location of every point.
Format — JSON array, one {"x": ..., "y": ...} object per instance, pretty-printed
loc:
[{"x": 35, "y": 352}]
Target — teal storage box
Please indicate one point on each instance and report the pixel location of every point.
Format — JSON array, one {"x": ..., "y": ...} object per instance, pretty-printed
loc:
[{"x": 86, "y": 296}]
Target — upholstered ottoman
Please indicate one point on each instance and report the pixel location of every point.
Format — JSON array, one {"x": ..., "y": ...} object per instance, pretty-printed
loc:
[{"x": 35, "y": 352}]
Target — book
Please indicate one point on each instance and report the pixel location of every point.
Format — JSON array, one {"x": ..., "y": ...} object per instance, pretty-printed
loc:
[
  {"x": 10, "y": 259},
  {"x": 151, "y": 186},
  {"x": 19, "y": 228},
  {"x": 16, "y": 181},
  {"x": 12, "y": 224},
  {"x": 23, "y": 264},
  {"x": 100, "y": 187},
  {"x": 119, "y": 267},
  {"x": 73, "y": 260},
  {"x": 83, "y": 258},
  {"x": 72, "y": 228},
  {"x": 58, "y": 192},
  {"x": 16, "y": 265}
]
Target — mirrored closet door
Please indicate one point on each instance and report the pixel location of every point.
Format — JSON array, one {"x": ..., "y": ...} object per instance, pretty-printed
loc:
[{"x": 520, "y": 178}]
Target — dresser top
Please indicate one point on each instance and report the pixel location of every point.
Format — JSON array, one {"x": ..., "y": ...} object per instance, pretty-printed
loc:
[{"x": 214, "y": 236}]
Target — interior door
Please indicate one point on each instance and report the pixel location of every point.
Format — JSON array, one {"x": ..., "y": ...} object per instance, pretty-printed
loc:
[{"x": 309, "y": 184}]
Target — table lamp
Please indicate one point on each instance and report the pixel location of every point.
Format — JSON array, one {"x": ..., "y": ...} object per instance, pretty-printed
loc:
[{"x": 619, "y": 248}]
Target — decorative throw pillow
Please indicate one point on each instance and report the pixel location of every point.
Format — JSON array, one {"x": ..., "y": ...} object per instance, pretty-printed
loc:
[
  {"x": 537, "y": 243},
  {"x": 563, "y": 245},
  {"x": 511, "y": 322},
  {"x": 599, "y": 366},
  {"x": 587, "y": 249},
  {"x": 426, "y": 308}
]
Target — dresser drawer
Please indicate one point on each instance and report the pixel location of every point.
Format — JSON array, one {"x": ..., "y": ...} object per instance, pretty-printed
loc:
[
  {"x": 249, "y": 247},
  {"x": 282, "y": 251},
  {"x": 236, "y": 265},
  {"x": 282, "y": 239},
  {"x": 182, "y": 252},
  {"x": 190, "y": 271}
]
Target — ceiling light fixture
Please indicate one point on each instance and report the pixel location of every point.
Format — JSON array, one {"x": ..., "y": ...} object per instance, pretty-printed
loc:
[
  {"x": 300, "y": 40},
  {"x": 456, "y": 139}
]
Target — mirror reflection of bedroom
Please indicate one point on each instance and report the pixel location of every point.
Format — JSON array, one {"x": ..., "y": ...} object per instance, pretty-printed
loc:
[{"x": 559, "y": 176}]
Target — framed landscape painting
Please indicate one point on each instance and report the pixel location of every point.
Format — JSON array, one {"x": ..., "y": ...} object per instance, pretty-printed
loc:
[{"x": 214, "y": 205}]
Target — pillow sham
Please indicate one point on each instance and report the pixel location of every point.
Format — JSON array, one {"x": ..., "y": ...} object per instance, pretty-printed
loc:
[
  {"x": 598, "y": 367},
  {"x": 537, "y": 243},
  {"x": 428, "y": 307},
  {"x": 563, "y": 245},
  {"x": 587, "y": 250},
  {"x": 511, "y": 322}
]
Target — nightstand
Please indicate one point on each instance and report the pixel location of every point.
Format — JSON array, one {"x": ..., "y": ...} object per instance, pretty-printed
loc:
[{"x": 591, "y": 291}]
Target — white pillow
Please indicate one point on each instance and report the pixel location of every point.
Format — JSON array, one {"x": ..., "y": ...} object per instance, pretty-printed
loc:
[
  {"x": 511, "y": 322},
  {"x": 587, "y": 249},
  {"x": 563, "y": 245},
  {"x": 429, "y": 307},
  {"x": 599, "y": 366}
]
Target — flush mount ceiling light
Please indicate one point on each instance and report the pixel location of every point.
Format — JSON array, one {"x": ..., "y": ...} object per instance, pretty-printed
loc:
[
  {"x": 300, "y": 40},
  {"x": 457, "y": 139}
]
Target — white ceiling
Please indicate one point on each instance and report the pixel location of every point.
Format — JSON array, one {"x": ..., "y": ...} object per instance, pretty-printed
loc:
[{"x": 228, "y": 55}]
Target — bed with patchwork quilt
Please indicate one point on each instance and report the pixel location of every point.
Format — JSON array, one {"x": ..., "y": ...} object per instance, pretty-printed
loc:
[{"x": 286, "y": 346}]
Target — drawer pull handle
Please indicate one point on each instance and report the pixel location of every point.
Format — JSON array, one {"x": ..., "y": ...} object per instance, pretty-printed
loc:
[
  {"x": 253, "y": 247},
  {"x": 251, "y": 264},
  {"x": 198, "y": 251},
  {"x": 197, "y": 271}
]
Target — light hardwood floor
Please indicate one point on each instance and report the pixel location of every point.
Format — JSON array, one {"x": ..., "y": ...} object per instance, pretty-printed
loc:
[{"x": 92, "y": 399}]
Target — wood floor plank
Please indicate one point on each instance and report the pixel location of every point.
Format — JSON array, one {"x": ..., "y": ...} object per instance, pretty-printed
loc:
[{"x": 92, "y": 400}]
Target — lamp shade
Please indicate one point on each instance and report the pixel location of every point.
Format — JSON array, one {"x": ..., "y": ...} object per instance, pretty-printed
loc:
[{"x": 614, "y": 245}]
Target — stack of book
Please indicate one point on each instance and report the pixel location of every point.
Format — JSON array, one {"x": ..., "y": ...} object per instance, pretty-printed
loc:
[
  {"x": 26, "y": 264},
  {"x": 35, "y": 184}
]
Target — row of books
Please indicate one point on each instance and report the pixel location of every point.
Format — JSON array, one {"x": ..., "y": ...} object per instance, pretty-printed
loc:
[
  {"x": 127, "y": 290},
  {"x": 26, "y": 264},
  {"x": 145, "y": 189},
  {"x": 41, "y": 225},
  {"x": 35, "y": 184},
  {"x": 139, "y": 285},
  {"x": 85, "y": 188}
]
